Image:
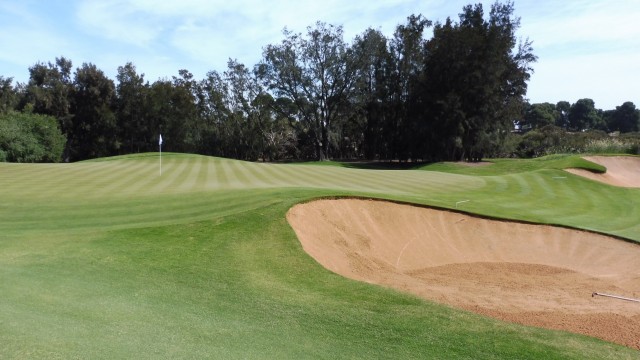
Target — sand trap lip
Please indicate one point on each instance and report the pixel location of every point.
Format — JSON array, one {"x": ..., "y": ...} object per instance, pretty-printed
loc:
[
  {"x": 623, "y": 171},
  {"x": 530, "y": 274}
]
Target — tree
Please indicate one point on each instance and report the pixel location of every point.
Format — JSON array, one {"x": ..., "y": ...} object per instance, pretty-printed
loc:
[
  {"x": 184, "y": 124},
  {"x": 625, "y": 118},
  {"x": 240, "y": 113},
  {"x": 9, "y": 96},
  {"x": 28, "y": 137},
  {"x": 373, "y": 91},
  {"x": 172, "y": 111},
  {"x": 248, "y": 111},
  {"x": 474, "y": 83},
  {"x": 212, "y": 113},
  {"x": 49, "y": 92},
  {"x": 408, "y": 64},
  {"x": 316, "y": 73},
  {"x": 563, "y": 108},
  {"x": 131, "y": 111},
  {"x": 583, "y": 115},
  {"x": 49, "y": 89},
  {"x": 93, "y": 132},
  {"x": 539, "y": 115}
]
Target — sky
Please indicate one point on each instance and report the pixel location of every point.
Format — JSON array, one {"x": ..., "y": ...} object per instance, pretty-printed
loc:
[{"x": 585, "y": 48}]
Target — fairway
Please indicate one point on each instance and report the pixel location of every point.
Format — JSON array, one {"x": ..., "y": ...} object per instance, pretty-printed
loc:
[{"x": 107, "y": 259}]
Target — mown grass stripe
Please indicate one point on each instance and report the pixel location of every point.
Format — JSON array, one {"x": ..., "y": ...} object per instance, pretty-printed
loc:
[
  {"x": 247, "y": 177},
  {"x": 262, "y": 173},
  {"x": 173, "y": 169},
  {"x": 180, "y": 175},
  {"x": 190, "y": 181},
  {"x": 122, "y": 176},
  {"x": 222, "y": 181},
  {"x": 232, "y": 179},
  {"x": 326, "y": 177},
  {"x": 203, "y": 176},
  {"x": 544, "y": 182},
  {"x": 419, "y": 181},
  {"x": 288, "y": 175},
  {"x": 278, "y": 175},
  {"x": 141, "y": 182},
  {"x": 523, "y": 186}
]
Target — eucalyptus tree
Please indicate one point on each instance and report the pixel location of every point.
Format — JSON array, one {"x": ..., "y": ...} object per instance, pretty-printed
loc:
[
  {"x": 49, "y": 87},
  {"x": 316, "y": 73},
  {"x": 562, "y": 108},
  {"x": 407, "y": 64},
  {"x": 238, "y": 110},
  {"x": 173, "y": 112},
  {"x": 9, "y": 95},
  {"x": 93, "y": 129},
  {"x": 474, "y": 83},
  {"x": 213, "y": 113},
  {"x": 583, "y": 115},
  {"x": 184, "y": 124},
  {"x": 49, "y": 91},
  {"x": 131, "y": 109},
  {"x": 373, "y": 91},
  {"x": 540, "y": 115},
  {"x": 249, "y": 111},
  {"x": 625, "y": 118}
]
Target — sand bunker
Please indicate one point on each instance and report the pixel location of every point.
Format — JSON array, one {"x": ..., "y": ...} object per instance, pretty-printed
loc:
[
  {"x": 529, "y": 274},
  {"x": 622, "y": 171}
]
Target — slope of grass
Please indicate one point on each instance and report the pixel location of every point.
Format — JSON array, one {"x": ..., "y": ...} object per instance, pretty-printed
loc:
[
  {"x": 497, "y": 166},
  {"x": 511, "y": 166},
  {"x": 107, "y": 259}
]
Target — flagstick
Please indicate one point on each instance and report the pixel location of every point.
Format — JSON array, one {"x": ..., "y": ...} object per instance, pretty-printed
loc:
[{"x": 160, "y": 145}]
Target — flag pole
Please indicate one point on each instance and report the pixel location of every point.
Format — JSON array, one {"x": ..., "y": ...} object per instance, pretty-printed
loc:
[{"x": 160, "y": 145}]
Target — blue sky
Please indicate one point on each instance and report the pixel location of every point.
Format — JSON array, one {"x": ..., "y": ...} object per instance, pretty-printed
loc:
[{"x": 586, "y": 48}]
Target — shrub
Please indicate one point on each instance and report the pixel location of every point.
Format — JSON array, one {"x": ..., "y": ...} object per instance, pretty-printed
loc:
[{"x": 27, "y": 137}]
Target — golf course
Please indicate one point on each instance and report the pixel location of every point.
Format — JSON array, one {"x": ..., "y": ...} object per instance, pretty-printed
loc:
[{"x": 216, "y": 258}]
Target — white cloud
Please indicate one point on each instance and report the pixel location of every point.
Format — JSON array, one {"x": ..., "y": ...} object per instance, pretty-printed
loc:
[
  {"x": 26, "y": 38},
  {"x": 117, "y": 20},
  {"x": 581, "y": 42},
  {"x": 594, "y": 23},
  {"x": 586, "y": 49}
]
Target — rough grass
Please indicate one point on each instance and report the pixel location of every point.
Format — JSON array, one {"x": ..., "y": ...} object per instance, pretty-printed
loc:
[{"x": 106, "y": 259}]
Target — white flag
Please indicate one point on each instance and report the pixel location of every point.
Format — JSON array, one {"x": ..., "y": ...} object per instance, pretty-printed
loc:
[{"x": 160, "y": 141}]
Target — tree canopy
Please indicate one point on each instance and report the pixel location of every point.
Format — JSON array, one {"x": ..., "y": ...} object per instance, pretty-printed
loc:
[
  {"x": 314, "y": 95},
  {"x": 28, "y": 137}
]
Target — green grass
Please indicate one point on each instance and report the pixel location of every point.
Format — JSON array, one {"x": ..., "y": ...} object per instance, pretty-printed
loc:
[
  {"x": 498, "y": 166},
  {"x": 106, "y": 259},
  {"x": 510, "y": 166}
]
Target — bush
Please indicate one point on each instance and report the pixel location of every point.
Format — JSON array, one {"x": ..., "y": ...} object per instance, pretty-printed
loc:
[
  {"x": 26, "y": 137},
  {"x": 554, "y": 140}
]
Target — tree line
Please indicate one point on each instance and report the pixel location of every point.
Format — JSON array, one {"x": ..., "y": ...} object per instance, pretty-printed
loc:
[{"x": 453, "y": 96}]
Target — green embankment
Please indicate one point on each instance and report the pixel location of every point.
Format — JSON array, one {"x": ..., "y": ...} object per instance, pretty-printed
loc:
[{"x": 107, "y": 259}]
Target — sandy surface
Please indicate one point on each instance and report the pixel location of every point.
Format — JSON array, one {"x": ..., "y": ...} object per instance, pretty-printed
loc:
[
  {"x": 621, "y": 170},
  {"x": 529, "y": 274}
]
